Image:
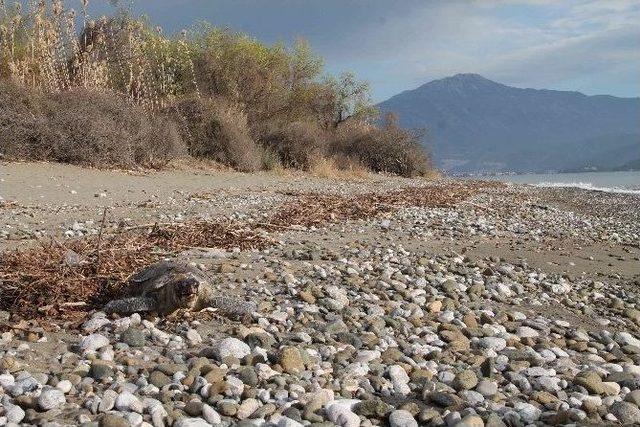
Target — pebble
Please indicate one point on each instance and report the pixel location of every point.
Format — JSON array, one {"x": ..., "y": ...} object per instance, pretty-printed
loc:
[
  {"x": 341, "y": 412},
  {"x": 470, "y": 421},
  {"x": 13, "y": 413},
  {"x": 51, "y": 399},
  {"x": 626, "y": 412},
  {"x": 133, "y": 337},
  {"x": 402, "y": 418},
  {"x": 191, "y": 422},
  {"x": 232, "y": 347},
  {"x": 126, "y": 401},
  {"x": 93, "y": 342}
]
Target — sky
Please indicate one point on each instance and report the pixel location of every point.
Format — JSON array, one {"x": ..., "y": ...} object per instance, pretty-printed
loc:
[{"x": 590, "y": 46}]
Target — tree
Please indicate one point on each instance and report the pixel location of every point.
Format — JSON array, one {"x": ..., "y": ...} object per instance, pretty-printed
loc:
[{"x": 351, "y": 99}]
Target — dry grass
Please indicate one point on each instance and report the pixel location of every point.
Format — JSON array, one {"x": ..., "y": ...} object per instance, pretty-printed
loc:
[
  {"x": 191, "y": 164},
  {"x": 330, "y": 168},
  {"x": 48, "y": 281},
  {"x": 40, "y": 49}
]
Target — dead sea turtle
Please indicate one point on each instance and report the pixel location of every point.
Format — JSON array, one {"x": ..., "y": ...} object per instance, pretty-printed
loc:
[{"x": 168, "y": 286}]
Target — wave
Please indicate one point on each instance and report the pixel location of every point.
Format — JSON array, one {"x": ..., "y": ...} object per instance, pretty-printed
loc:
[{"x": 587, "y": 186}]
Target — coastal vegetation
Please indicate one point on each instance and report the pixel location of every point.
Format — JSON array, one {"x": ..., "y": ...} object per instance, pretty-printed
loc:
[{"x": 119, "y": 92}]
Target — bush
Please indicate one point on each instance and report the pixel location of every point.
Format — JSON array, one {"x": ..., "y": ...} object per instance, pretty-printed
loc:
[
  {"x": 21, "y": 122},
  {"x": 299, "y": 145},
  {"x": 83, "y": 127},
  {"x": 389, "y": 149},
  {"x": 217, "y": 130}
]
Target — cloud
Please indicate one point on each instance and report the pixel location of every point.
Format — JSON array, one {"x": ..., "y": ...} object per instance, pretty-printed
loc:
[
  {"x": 586, "y": 45},
  {"x": 591, "y": 46}
]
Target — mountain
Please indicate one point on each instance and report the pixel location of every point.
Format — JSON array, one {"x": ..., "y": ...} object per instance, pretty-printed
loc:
[{"x": 477, "y": 125}]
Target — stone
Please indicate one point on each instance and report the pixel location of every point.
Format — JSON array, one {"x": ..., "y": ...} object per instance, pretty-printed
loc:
[
  {"x": 232, "y": 347},
  {"x": 610, "y": 388},
  {"x": 193, "y": 408},
  {"x": 470, "y": 421},
  {"x": 108, "y": 401},
  {"x": 288, "y": 422},
  {"x": 625, "y": 338},
  {"x": 64, "y": 386},
  {"x": 110, "y": 420},
  {"x": 399, "y": 379},
  {"x": 487, "y": 388},
  {"x": 9, "y": 364},
  {"x": 402, "y": 418},
  {"x": 633, "y": 397},
  {"x": 7, "y": 380},
  {"x": 159, "y": 379},
  {"x": 633, "y": 314},
  {"x": 495, "y": 420},
  {"x": 472, "y": 398},
  {"x": 434, "y": 306},
  {"x": 373, "y": 408},
  {"x": 133, "y": 337},
  {"x": 444, "y": 399},
  {"x": 191, "y": 422},
  {"x": 528, "y": 412},
  {"x": 626, "y": 412},
  {"x": 291, "y": 360},
  {"x": 493, "y": 343},
  {"x": 100, "y": 370},
  {"x": 51, "y": 399},
  {"x": 93, "y": 342},
  {"x": 248, "y": 376},
  {"x": 126, "y": 401},
  {"x": 465, "y": 380},
  {"x": 341, "y": 413},
  {"x": 246, "y": 408},
  {"x": 13, "y": 413},
  {"x": 210, "y": 415},
  {"x": 194, "y": 337},
  {"x": 94, "y": 324},
  {"x": 527, "y": 332}
]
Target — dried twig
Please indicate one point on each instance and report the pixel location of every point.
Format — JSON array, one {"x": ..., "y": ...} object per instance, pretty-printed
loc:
[{"x": 104, "y": 217}]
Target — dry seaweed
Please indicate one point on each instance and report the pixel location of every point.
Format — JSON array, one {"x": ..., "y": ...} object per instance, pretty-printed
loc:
[{"x": 318, "y": 209}]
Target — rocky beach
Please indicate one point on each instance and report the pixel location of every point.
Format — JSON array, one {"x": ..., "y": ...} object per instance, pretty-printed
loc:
[{"x": 379, "y": 301}]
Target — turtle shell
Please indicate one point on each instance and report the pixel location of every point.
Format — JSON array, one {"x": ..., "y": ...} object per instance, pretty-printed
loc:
[{"x": 149, "y": 280}]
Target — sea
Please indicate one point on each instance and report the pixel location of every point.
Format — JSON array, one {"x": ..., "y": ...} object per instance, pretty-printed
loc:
[{"x": 610, "y": 182}]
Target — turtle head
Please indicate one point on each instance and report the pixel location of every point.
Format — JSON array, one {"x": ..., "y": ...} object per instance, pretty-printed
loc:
[{"x": 186, "y": 290}]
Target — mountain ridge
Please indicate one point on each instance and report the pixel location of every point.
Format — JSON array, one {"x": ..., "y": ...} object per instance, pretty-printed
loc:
[{"x": 477, "y": 125}]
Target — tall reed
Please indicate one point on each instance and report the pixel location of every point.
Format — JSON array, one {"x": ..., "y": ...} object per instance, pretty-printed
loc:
[{"x": 47, "y": 47}]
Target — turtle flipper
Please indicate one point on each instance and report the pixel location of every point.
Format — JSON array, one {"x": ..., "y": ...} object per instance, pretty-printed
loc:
[{"x": 131, "y": 305}]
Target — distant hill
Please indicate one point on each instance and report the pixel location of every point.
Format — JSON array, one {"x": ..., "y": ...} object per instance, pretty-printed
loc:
[{"x": 477, "y": 125}]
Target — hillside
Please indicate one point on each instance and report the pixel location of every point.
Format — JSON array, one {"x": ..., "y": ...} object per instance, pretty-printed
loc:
[{"x": 477, "y": 125}]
